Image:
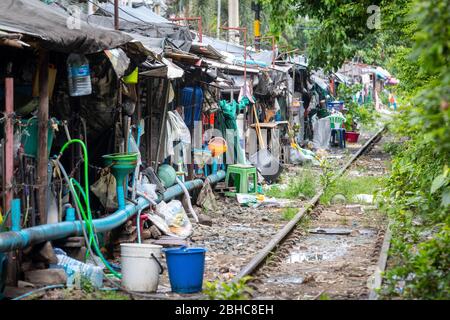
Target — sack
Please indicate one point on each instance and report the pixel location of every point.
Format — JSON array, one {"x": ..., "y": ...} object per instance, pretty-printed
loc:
[
  {"x": 175, "y": 217},
  {"x": 105, "y": 190}
]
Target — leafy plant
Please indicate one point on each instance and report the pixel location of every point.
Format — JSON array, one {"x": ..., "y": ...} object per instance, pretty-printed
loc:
[
  {"x": 218, "y": 290},
  {"x": 328, "y": 176},
  {"x": 304, "y": 184},
  {"x": 356, "y": 114},
  {"x": 289, "y": 213},
  {"x": 349, "y": 187}
]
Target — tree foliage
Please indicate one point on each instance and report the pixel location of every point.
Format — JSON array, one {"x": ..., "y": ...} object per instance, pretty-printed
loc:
[{"x": 413, "y": 42}]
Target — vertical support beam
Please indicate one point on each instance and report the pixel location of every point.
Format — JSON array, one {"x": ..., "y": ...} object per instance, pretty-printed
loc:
[
  {"x": 256, "y": 6},
  {"x": 219, "y": 9},
  {"x": 12, "y": 267},
  {"x": 42, "y": 161},
  {"x": 9, "y": 142},
  {"x": 116, "y": 14},
  {"x": 233, "y": 20},
  {"x": 163, "y": 122}
]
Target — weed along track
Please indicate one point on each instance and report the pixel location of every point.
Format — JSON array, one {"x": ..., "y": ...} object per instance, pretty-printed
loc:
[{"x": 331, "y": 247}]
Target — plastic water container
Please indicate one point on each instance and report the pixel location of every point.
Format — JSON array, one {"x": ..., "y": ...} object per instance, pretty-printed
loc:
[
  {"x": 186, "y": 267},
  {"x": 79, "y": 75},
  {"x": 140, "y": 266},
  {"x": 75, "y": 269}
]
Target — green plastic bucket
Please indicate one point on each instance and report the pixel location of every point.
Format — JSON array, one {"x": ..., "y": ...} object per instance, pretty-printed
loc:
[{"x": 29, "y": 137}]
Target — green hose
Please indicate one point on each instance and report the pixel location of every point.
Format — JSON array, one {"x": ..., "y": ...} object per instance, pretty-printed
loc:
[{"x": 85, "y": 194}]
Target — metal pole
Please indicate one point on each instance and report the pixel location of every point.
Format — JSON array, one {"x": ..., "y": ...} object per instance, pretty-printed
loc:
[
  {"x": 42, "y": 163},
  {"x": 219, "y": 9},
  {"x": 257, "y": 25},
  {"x": 245, "y": 61},
  {"x": 116, "y": 14},
  {"x": 233, "y": 19}
]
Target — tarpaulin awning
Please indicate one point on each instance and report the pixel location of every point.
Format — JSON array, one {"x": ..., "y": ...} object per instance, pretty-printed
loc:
[
  {"x": 140, "y": 21},
  {"x": 51, "y": 28}
]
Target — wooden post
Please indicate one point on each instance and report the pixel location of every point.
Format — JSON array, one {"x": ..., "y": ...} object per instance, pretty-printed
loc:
[
  {"x": 163, "y": 122},
  {"x": 9, "y": 142},
  {"x": 42, "y": 161},
  {"x": 12, "y": 266}
]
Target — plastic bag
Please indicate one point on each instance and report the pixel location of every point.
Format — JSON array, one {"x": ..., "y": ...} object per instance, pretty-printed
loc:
[
  {"x": 175, "y": 217},
  {"x": 147, "y": 188},
  {"x": 176, "y": 130},
  {"x": 322, "y": 132},
  {"x": 105, "y": 190},
  {"x": 301, "y": 156}
]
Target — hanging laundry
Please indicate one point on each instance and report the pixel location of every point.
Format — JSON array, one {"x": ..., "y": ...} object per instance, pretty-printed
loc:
[{"x": 246, "y": 92}]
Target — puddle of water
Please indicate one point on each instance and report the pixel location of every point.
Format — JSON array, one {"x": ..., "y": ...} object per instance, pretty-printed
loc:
[
  {"x": 319, "y": 248},
  {"x": 285, "y": 279}
]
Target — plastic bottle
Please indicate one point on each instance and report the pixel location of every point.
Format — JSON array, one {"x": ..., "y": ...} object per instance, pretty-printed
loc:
[
  {"x": 76, "y": 269},
  {"x": 79, "y": 76}
]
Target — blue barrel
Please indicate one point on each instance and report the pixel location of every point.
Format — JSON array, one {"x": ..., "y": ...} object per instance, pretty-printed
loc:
[{"x": 186, "y": 267}]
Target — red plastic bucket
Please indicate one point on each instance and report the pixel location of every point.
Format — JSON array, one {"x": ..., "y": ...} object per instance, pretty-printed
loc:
[{"x": 352, "y": 137}]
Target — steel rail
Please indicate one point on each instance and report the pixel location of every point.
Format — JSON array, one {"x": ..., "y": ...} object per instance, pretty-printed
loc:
[{"x": 282, "y": 234}]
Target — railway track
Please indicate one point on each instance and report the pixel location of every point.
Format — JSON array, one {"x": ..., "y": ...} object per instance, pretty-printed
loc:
[{"x": 271, "y": 264}]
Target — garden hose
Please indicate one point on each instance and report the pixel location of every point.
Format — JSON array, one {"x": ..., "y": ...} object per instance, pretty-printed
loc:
[{"x": 86, "y": 215}]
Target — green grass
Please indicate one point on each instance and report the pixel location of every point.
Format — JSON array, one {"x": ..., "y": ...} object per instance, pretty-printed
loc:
[
  {"x": 304, "y": 184},
  {"x": 350, "y": 187},
  {"x": 288, "y": 213}
]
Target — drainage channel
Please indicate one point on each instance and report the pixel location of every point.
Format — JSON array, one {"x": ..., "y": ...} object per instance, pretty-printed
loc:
[{"x": 326, "y": 251}]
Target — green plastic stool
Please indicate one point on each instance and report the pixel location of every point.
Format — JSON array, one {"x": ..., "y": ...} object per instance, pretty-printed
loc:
[{"x": 241, "y": 173}]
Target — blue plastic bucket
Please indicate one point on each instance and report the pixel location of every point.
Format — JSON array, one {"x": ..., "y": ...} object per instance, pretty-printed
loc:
[{"x": 186, "y": 267}]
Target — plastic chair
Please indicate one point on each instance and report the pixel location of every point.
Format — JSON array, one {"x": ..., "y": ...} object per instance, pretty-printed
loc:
[
  {"x": 336, "y": 122},
  {"x": 241, "y": 174}
]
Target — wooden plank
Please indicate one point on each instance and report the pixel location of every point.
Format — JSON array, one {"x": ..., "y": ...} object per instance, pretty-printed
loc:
[
  {"x": 9, "y": 143},
  {"x": 42, "y": 162}
]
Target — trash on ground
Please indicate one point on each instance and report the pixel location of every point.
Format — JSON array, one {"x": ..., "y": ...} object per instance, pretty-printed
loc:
[{"x": 76, "y": 270}]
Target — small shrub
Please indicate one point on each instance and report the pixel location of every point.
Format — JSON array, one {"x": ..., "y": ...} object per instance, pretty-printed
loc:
[
  {"x": 218, "y": 290},
  {"x": 305, "y": 184},
  {"x": 289, "y": 213},
  {"x": 350, "y": 187}
]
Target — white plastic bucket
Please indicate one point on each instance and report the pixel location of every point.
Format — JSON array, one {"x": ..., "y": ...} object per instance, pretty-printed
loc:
[{"x": 140, "y": 266}]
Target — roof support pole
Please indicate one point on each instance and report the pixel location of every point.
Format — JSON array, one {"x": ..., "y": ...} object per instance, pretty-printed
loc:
[
  {"x": 9, "y": 142},
  {"x": 42, "y": 161},
  {"x": 219, "y": 9},
  {"x": 116, "y": 14},
  {"x": 12, "y": 266}
]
